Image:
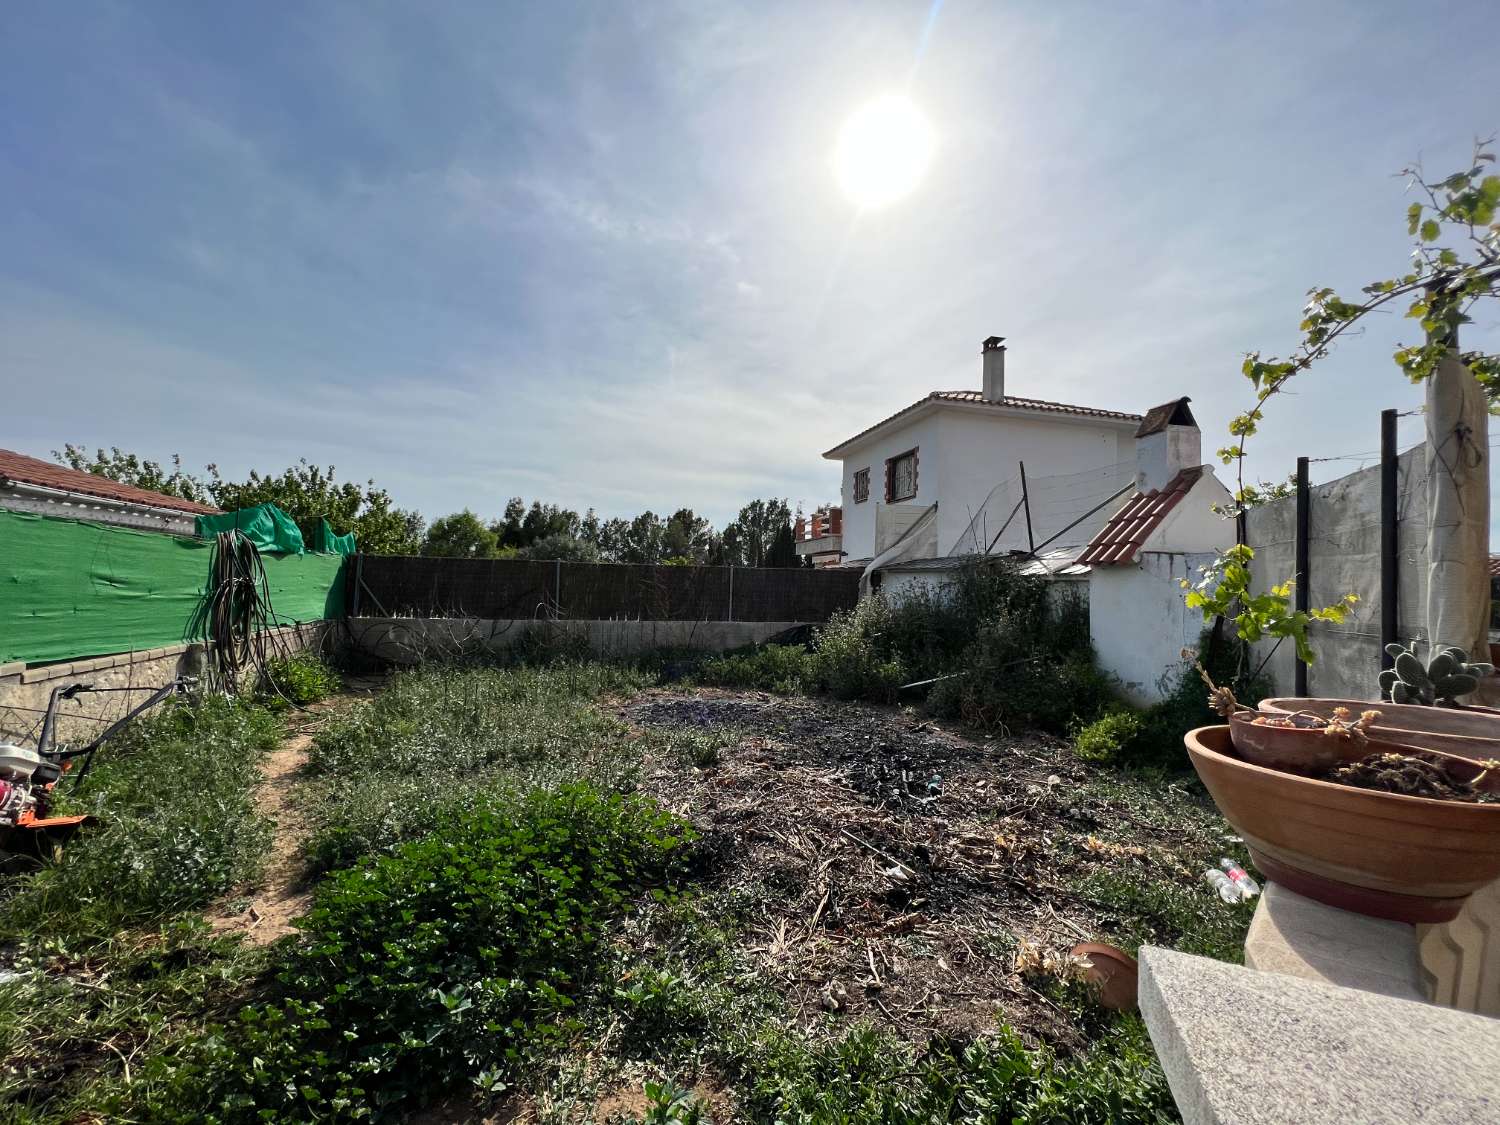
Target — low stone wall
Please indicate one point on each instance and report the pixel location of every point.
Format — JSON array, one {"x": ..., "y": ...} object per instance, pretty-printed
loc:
[
  {"x": 409, "y": 640},
  {"x": 25, "y": 690}
]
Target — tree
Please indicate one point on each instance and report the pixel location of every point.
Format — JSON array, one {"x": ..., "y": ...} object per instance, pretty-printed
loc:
[
  {"x": 309, "y": 493},
  {"x": 508, "y": 529},
  {"x": 129, "y": 469},
  {"x": 783, "y": 550},
  {"x": 305, "y": 492},
  {"x": 643, "y": 540},
  {"x": 460, "y": 536},
  {"x": 756, "y": 527},
  {"x": 568, "y": 548}
]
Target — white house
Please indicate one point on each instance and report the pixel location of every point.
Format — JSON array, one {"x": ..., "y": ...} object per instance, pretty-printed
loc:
[
  {"x": 939, "y": 476},
  {"x": 1161, "y": 534}
]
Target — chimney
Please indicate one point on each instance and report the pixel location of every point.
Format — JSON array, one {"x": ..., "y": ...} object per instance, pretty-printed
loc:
[
  {"x": 1166, "y": 442},
  {"x": 994, "y": 369}
]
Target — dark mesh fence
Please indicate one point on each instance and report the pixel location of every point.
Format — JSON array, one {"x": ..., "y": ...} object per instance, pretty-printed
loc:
[{"x": 412, "y": 586}]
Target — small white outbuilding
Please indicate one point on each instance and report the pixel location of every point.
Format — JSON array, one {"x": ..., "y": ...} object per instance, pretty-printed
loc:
[{"x": 1164, "y": 532}]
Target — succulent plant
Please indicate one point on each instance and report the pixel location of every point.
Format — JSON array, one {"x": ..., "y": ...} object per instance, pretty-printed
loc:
[{"x": 1444, "y": 678}]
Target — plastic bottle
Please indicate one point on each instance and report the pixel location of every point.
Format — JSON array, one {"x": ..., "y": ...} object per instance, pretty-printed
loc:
[
  {"x": 1220, "y": 882},
  {"x": 1247, "y": 886}
]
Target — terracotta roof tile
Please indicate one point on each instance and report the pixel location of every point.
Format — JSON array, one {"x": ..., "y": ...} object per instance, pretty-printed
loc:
[
  {"x": 1495, "y": 566},
  {"x": 977, "y": 397},
  {"x": 32, "y": 470},
  {"x": 1119, "y": 541}
]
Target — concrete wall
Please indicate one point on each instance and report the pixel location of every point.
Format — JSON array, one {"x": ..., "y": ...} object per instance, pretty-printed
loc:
[
  {"x": 409, "y": 640},
  {"x": 965, "y": 451},
  {"x": 24, "y": 691},
  {"x": 1344, "y": 557},
  {"x": 1138, "y": 622}
]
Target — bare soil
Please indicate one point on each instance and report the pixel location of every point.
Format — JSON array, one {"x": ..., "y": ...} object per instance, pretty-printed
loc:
[
  {"x": 283, "y": 893},
  {"x": 906, "y": 874}
]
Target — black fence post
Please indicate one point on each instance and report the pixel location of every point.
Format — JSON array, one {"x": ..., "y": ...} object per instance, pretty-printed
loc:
[
  {"x": 1300, "y": 592},
  {"x": 1389, "y": 575}
]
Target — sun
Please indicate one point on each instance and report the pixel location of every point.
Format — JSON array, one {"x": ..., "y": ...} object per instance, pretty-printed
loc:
[{"x": 883, "y": 152}]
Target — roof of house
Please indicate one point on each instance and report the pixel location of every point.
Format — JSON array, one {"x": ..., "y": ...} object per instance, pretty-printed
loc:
[
  {"x": 21, "y": 469},
  {"x": 1495, "y": 566},
  {"x": 977, "y": 398},
  {"x": 1120, "y": 540},
  {"x": 1174, "y": 413}
]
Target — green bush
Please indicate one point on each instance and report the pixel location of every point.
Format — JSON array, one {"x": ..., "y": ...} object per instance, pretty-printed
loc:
[
  {"x": 869, "y": 1077},
  {"x": 300, "y": 679},
  {"x": 177, "y": 826},
  {"x": 1110, "y": 739},
  {"x": 437, "y": 964},
  {"x": 854, "y": 657},
  {"x": 784, "y": 669}
]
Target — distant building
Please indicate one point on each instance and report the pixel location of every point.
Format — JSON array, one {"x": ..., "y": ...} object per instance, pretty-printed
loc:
[
  {"x": 29, "y": 484},
  {"x": 820, "y": 537},
  {"x": 923, "y": 478}
]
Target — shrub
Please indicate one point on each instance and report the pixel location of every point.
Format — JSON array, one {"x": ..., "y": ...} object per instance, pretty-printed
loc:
[
  {"x": 784, "y": 669},
  {"x": 865, "y": 1076},
  {"x": 853, "y": 658},
  {"x": 300, "y": 679},
  {"x": 435, "y": 964},
  {"x": 1109, "y": 739},
  {"x": 176, "y": 828}
]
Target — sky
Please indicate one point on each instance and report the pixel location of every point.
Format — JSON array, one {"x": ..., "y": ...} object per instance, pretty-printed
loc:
[{"x": 597, "y": 253}]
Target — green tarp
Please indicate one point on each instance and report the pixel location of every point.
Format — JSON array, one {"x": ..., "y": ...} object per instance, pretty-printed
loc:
[
  {"x": 265, "y": 525},
  {"x": 70, "y": 589},
  {"x": 327, "y": 543}
]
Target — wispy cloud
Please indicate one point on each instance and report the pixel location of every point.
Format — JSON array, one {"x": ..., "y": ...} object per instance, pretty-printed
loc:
[{"x": 597, "y": 254}]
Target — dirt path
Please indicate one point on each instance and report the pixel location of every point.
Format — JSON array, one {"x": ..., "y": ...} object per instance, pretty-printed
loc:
[{"x": 282, "y": 893}]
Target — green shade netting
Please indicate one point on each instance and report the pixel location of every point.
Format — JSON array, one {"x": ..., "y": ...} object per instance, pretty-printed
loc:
[
  {"x": 70, "y": 589},
  {"x": 327, "y": 543},
  {"x": 265, "y": 525}
]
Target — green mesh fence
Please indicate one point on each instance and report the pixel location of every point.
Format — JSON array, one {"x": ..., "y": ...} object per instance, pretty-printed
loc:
[{"x": 70, "y": 589}]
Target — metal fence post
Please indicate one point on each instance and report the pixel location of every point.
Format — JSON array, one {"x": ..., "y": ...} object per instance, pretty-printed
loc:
[
  {"x": 1389, "y": 575},
  {"x": 1301, "y": 592}
]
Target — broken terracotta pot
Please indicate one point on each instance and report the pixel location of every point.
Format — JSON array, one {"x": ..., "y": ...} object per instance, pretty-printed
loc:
[
  {"x": 1469, "y": 733},
  {"x": 1113, "y": 972},
  {"x": 1304, "y": 748},
  {"x": 1410, "y": 859}
]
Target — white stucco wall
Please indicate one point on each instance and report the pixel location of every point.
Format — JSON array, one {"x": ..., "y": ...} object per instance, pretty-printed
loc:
[
  {"x": 965, "y": 453},
  {"x": 1194, "y": 525},
  {"x": 983, "y": 449},
  {"x": 1138, "y": 623},
  {"x": 859, "y": 519}
]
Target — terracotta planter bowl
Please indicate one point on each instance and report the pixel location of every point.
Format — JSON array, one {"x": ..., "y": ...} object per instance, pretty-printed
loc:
[
  {"x": 1409, "y": 859},
  {"x": 1303, "y": 749},
  {"x": 1469, "y": 734}
]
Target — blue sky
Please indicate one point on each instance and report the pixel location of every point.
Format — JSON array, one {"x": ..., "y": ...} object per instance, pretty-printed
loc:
[{"x": 597, "y": 254}]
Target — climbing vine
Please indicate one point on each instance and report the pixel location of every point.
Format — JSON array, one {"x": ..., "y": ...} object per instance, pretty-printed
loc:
[{"x": 1455, "y": 263}]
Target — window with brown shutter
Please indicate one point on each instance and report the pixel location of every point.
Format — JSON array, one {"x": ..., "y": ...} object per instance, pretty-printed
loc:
[
  {"x": 861, "y": 486},
  {"x": 901, "y": 477}
]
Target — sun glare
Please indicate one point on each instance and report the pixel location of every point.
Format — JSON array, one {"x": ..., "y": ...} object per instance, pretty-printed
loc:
[{"x": 883, "y": 152}]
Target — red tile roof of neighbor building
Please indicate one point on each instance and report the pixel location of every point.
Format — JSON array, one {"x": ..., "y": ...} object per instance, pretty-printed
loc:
[
  {"x": 1495, "y": 566},
  {"x": 22, "y": 469},
  {"x": 1119, "y": 541},
  {"x": 977, "y": 397}
]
